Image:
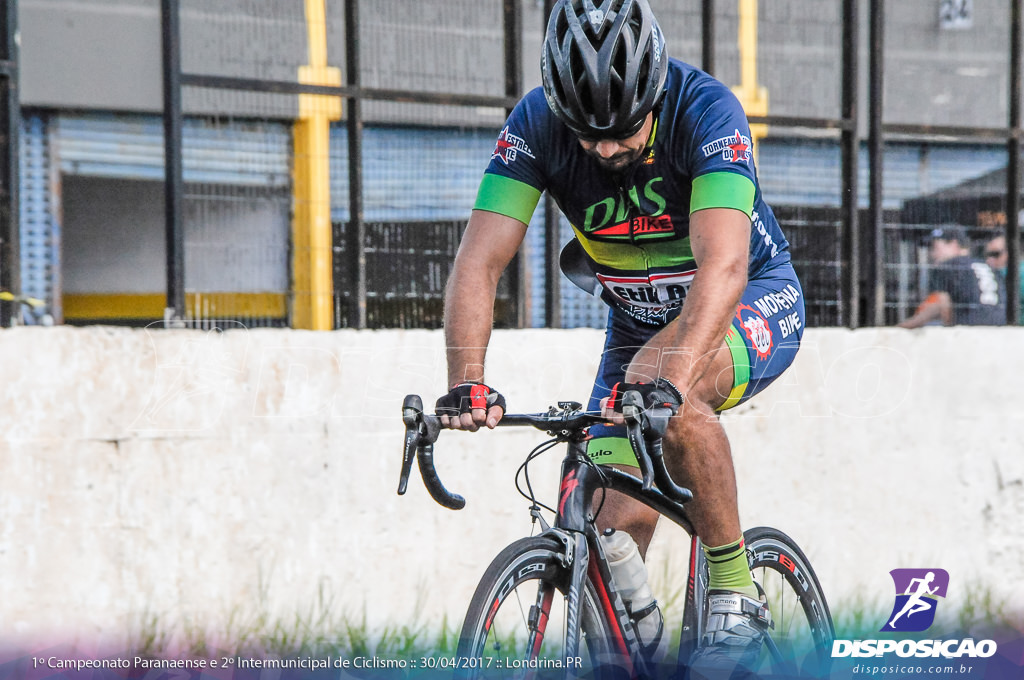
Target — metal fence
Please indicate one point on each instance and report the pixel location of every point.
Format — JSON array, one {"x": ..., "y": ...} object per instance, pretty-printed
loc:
[
  {"x": 403, "y": 176},
  {"x": 321, "y": 158},
  {"x": 374, "y": 223},
  {"x": 967, "y": 104}
]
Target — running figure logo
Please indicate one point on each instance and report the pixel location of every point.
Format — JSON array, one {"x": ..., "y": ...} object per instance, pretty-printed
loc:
[{"x": 917, "y": 591}]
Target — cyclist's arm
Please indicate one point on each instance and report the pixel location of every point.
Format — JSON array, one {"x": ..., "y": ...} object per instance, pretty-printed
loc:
[
  {"x": 490, "y": 242},
  {"x": 720, "y": 239}
]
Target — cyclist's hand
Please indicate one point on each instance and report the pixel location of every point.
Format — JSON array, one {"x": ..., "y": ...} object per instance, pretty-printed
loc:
[
  {"x": 467, "y": 406},
  {"x": 660, "y": 393}
]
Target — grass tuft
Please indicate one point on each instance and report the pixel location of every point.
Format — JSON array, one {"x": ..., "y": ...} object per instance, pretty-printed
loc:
[{"x": 325, "y": 629}]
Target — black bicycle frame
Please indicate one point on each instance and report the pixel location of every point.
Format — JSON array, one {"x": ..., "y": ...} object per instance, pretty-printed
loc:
[
  {"x": 580, "y": 483},
  {"x": 574, "y": 519},
  {"x": 576, "y": 492}
]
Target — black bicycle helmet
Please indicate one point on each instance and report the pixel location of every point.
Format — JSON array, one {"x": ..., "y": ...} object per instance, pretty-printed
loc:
[{"x": 603, "y": 65}]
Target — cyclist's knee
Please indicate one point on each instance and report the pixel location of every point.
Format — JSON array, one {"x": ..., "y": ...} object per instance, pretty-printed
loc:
[{"x": 691, "y": 423}]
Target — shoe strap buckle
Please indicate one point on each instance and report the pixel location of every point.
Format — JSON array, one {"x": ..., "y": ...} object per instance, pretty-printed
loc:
[{"x": 758, "y": 610}]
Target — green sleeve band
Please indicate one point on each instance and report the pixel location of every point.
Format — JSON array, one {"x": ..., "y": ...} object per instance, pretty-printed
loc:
[
  {"x": 507, "y": 196},
  {"x": 722, "y": 190}
]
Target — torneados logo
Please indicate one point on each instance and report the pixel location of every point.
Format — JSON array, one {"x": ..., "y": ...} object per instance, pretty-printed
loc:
[{"x": 609, "y": 219}]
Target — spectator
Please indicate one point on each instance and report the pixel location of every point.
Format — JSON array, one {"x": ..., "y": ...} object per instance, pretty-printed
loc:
[
  {"x": 997, "y": 257},
  {"x": 963, "y": 290}
]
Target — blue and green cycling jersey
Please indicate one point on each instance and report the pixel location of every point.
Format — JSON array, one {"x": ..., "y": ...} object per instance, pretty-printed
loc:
[{"x": 633, "y": 227}]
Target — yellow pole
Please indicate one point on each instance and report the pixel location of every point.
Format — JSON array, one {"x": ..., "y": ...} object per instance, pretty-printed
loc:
[
  {"x": 312, "y": 286},
  {"x": 752, "y": 96}
]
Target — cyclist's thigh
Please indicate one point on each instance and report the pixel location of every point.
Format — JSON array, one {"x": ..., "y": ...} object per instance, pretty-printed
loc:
[
  {"x": 623, "y": 339},
  {"x": 765, "y": 332}
]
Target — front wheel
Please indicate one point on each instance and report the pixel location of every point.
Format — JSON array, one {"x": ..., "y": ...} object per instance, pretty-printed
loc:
[{"x": 516, "y": 624}]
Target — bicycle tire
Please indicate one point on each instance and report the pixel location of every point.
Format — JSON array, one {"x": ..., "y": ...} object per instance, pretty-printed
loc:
[
  {"x": 803, "y": 631},
  {"x": 534, "y": 565}
]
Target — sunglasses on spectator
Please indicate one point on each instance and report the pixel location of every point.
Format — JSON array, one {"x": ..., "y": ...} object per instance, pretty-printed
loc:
[{"x": 994, "y": 253}]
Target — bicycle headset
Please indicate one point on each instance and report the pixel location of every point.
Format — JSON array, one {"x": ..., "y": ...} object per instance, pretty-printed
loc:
[{"x": 603, "y": 67}]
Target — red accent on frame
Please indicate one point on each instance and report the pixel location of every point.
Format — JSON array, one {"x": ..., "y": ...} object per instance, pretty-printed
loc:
[
  {"x": 609, "y": 613},
  {"x": 569, "y": 485}
]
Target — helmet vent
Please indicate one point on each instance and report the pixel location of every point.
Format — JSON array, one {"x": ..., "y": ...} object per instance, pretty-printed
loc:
[{"x": 585, "y": 97}]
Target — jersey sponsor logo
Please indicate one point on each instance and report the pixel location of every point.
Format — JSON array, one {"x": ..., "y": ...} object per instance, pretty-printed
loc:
[
  {"x": 789, "y": 324},
  {"x": 735, "y": 148},
  {"x": 771, "y": 304},
  {"x": 609, "y": 218},
  {"x": 654, "y": 317},
  {"x": 758, "y": 332},
  {"x": 762, "y": 230},
  {"x": 509, "y": 146},
  {"x": 656, "y": 293},
  {"x": 638, "y": 227}
]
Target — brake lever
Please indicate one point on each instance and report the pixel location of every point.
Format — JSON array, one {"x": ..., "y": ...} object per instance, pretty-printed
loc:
[
  {"x": 632, "y": 412},
  {"x": 645, "y": 429},
  {"x": 412, "y": 415}
]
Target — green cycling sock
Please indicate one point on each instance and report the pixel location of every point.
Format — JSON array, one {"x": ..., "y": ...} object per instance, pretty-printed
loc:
[{"x": 728, "y": 569}]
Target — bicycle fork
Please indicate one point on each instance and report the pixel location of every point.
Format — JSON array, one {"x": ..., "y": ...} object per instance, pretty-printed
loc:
[{"x": 574, "y": 526}]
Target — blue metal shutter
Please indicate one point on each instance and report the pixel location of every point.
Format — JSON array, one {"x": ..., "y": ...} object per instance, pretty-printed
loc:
[
  {"x": 245, "y": 153},
  {"x": 39, "y": 219}
]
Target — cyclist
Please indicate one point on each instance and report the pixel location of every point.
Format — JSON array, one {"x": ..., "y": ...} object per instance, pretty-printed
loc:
[{"x": 650, "y": 159}]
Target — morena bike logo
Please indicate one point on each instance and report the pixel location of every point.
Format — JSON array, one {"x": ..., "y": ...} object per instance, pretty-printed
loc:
[
  {"x": 756, "y": 328},
  {"x": 918, "y": 594}
]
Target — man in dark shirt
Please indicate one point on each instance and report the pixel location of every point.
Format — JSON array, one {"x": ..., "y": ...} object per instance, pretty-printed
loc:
[{"x": 963, "y": 290}]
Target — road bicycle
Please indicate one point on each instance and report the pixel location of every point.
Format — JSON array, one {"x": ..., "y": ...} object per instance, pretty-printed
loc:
[{"x": 514, "y": 628}]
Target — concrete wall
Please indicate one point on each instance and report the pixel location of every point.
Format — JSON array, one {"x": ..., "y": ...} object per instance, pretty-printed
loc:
[{"x": 197, "y": 478}]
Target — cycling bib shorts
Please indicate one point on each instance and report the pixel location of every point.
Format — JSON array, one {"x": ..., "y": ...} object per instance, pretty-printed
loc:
[{"x": 764, "y": 338}]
